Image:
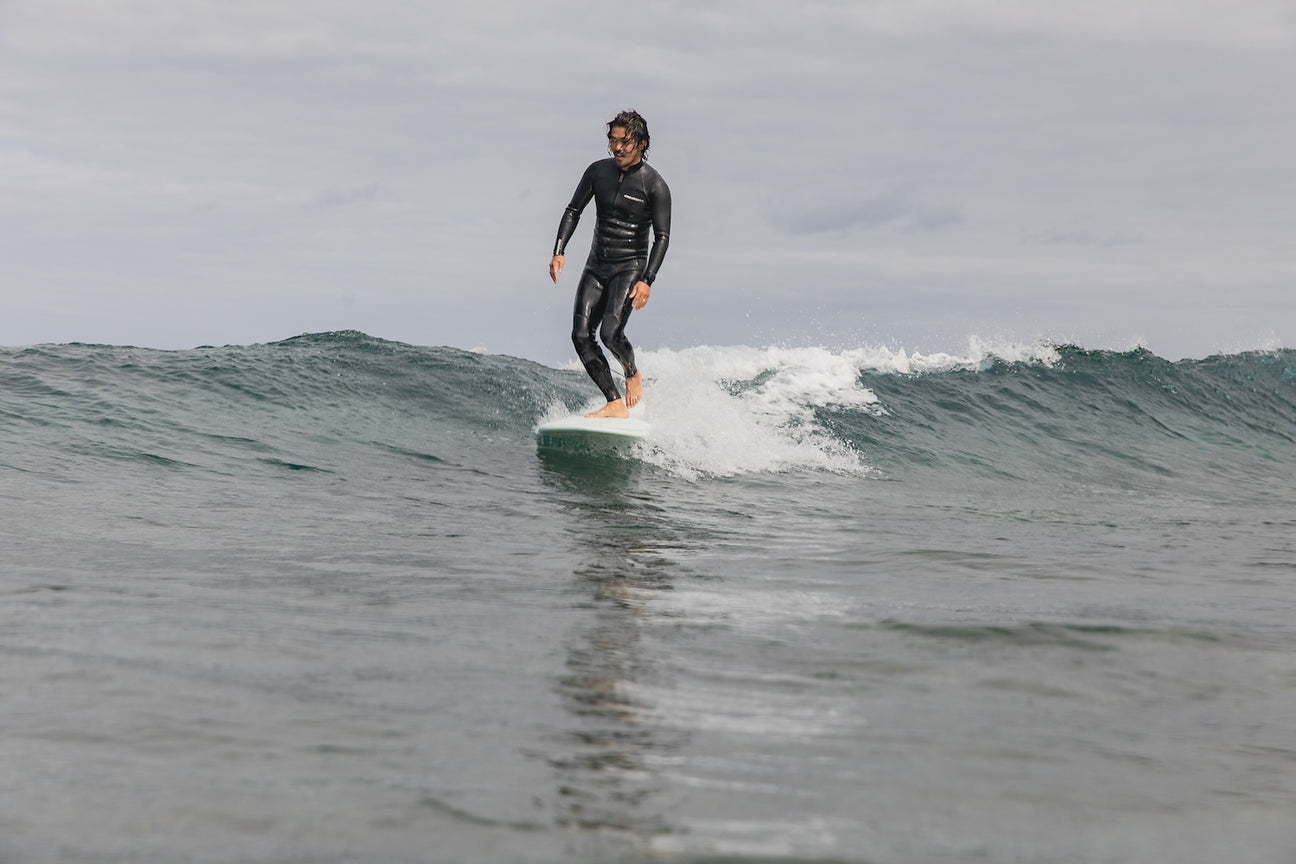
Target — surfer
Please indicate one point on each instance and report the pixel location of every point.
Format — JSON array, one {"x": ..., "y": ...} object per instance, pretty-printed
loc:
[{"x": 629, "y": 196}]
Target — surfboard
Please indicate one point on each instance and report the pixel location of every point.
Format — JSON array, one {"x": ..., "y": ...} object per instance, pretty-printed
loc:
[{"x": 591, "y": 434}]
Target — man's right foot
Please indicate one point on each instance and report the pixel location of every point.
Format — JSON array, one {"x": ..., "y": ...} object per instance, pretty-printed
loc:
[{"x": 616, "y": 409}]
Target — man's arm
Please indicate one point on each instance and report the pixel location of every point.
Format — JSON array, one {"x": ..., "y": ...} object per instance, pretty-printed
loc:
[
  {"x": 661, "y": 222},
  {"x": 571, "y": 216},
  {"x": 661, "y": 218}
]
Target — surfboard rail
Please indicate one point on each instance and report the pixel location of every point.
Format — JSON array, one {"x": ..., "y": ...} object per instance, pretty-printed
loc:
[{"x": 579, "y": 433}]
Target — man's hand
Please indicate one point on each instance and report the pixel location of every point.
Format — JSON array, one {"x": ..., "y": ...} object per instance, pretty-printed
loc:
[
  {"x": 639, "y": 294},
  {"x": 555, "y": 267}
]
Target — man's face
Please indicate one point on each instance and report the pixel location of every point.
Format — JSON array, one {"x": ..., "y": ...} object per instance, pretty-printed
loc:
[{"x": 625, "y": 150}]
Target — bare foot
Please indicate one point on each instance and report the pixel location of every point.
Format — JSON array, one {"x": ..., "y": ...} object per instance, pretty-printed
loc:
[
  {"x": 634, "y": 389},
  {"x": 616, "y": 409}
]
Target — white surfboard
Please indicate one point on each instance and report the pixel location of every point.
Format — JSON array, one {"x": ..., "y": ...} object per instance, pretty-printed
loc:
[{"x": 591, "y": 433}]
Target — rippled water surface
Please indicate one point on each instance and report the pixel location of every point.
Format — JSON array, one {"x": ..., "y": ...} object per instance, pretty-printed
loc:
[{"x": 323, "y": 601}]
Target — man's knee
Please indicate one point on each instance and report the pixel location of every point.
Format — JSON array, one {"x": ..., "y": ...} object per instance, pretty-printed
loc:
[
  {"x": 612, "y": 333},
  {"x": 583, "y": 340}
]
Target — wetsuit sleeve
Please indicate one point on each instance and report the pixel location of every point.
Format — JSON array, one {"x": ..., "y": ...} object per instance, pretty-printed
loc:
[
  {"x": 571, "y": 216},
  {"x": 661, "y": 219}
]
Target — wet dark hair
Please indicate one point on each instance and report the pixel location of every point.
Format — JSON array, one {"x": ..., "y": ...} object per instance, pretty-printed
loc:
[{"x": 635, "y": 127}]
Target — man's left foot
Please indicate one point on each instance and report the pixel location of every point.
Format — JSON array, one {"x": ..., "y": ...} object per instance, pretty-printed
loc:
[{"x": 634, "y": 389}]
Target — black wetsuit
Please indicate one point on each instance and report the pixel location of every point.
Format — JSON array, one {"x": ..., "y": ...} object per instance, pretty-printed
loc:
[{"x": 628, "y": 203}]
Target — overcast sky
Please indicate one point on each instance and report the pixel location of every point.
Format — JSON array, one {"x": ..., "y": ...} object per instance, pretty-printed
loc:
[{"x": 867, "y": 172}]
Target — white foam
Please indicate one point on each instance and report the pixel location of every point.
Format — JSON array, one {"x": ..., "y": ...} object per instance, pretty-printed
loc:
[
  {"x": 980, "y": 354},
  {"x": 730, "y": 410},
  {"x": 738, "y": 410}
]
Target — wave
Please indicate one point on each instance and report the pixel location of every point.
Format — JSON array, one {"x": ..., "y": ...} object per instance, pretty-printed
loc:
[
  {"x": 1001, "y": 410},
  {"x": 1112, "y": 417},
  {"x": 997, "y": 410}
]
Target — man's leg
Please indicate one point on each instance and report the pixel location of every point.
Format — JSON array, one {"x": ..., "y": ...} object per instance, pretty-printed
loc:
[
  {"x": 616, "y": 315},
  {"x": 591, "y": 299}
]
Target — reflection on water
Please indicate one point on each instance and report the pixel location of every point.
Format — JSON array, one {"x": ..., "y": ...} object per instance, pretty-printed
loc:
[
  {"x": 588, "y": 475},
  {"x": 603, "y": 780}
]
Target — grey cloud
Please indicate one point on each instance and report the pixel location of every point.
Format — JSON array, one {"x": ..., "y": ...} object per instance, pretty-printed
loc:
[
  {"x": 964, "y": 150},
  {"x": 836, "y": 211},
  {"x": 1081, "y": 237}
]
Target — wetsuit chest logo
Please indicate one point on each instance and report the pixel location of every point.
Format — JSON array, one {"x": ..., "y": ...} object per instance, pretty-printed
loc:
[{"x": 633, "y": 198}]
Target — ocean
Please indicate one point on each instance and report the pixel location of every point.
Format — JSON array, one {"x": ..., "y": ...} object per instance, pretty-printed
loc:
[{"x": 322, "y": 600}]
